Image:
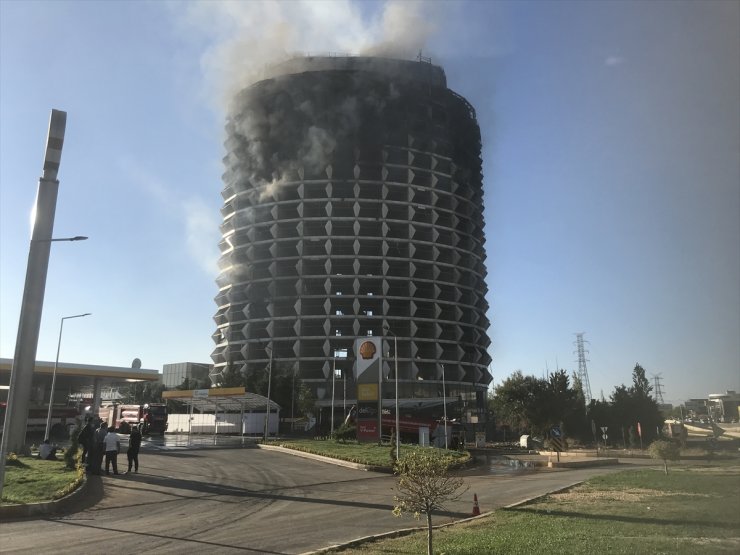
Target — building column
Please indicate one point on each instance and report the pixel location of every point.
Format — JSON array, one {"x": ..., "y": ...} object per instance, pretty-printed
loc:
[{"x": 96, "y": 398}]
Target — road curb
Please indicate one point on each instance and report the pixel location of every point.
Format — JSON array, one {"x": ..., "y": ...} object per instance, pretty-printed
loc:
[
  {"x": 348, "y": 464},
  {"x": 26, "y": 510},
  {"x": 322, "y": 458}
]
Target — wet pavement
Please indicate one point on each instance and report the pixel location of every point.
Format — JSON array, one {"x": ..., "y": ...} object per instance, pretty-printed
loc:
[{"x": 193, "y": 441}]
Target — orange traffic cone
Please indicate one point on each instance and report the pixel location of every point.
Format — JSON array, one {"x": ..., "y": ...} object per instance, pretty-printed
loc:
[{"x": 476, "y": 508}]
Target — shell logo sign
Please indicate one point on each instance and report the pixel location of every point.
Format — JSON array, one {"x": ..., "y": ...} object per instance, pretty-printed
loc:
[
  {"x": 367, "y": 358},
  {"x": 367, "y": 350}
]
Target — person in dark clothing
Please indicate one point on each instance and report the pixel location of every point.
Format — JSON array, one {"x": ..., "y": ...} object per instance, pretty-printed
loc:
[
  {"x": 134, "y": 443},
  {"x": 84, "y": 438},
  {"x": 97, "y": 449}
]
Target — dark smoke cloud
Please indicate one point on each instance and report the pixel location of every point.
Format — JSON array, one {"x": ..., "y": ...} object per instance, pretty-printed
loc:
[{"x": 280, "y": 129}]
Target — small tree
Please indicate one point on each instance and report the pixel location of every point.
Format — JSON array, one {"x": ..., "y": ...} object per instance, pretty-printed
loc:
[
  {"x": 632, "y": 437},
  {"x": 346, "y": 432},
  {"x": 71, "y": 455},
  {"x": 664, "y": 450},
  {"x": 425, "y": 485}
]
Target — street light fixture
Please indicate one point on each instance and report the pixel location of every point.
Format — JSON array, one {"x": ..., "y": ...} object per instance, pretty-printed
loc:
[
  {"x": 54, "y": 374},
  {"x": 395, "y": 358},
  {"x": 75, "y": 238}
]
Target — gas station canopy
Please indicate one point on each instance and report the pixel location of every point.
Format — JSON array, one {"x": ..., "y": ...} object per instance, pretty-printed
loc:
[{"x": 220, "y": 399}]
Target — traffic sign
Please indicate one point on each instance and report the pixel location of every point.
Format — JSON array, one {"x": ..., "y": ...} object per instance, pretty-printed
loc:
[
  {"x": 605, "y": 437},
  {"x": 556, "y": 439},
  {"x": 604, "y": 429}
]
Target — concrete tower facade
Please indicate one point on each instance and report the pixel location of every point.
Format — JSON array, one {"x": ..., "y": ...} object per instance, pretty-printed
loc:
[{"x": 353, "y": 206}]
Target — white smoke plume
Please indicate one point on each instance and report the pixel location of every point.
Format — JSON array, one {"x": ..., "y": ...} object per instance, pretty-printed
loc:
[{"x": 243, "y": 38}]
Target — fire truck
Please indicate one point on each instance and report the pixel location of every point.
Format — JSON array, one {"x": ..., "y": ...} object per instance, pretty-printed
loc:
[
  {"x": 152, "y": 417},
  {"x": 63, "y": 420}
]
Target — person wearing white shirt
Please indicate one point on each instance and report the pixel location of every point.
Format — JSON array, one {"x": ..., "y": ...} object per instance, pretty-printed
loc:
[
  {"x": 112, "y": 447},
  {"x": 47, "y": 451}
]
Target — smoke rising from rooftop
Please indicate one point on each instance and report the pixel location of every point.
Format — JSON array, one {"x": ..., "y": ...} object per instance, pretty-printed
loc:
[{"x": 244, "y": 38}]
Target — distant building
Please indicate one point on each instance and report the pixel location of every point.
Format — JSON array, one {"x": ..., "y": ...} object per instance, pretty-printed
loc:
[
  {"x": 696, "y": 407},
  {"x": 724, "y": 406},
  {"x": 175, "y": 374}
]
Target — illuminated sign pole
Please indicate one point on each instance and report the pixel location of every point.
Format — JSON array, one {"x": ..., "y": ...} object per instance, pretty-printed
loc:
[
  {"x": 368, "y": 377},
  {"x": 26, "y": 344}
]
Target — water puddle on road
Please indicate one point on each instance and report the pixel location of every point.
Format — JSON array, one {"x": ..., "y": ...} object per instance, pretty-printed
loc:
[{"x": 496, "y": 464}]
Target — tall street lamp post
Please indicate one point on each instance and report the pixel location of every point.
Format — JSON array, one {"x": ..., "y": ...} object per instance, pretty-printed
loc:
[
  {"x": 395, "y": 360},
  {"x": 269, "y": 384},
  {"x": 54, "y": 374},
  {"x": 444, "y": 402},
  {"x": 333, "y": 380},
  {"x": 292, "y": 402},
  {"x": 340, "y": 353},
  {"x": 26, "y": 345},
  {"x": 24, "y": 359}
]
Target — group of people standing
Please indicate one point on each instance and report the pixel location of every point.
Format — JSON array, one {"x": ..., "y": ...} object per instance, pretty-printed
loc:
[{"x": 105, "y": 442}]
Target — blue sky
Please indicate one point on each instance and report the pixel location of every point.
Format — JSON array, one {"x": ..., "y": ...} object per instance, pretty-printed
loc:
[{"x": 611, "y": 139}]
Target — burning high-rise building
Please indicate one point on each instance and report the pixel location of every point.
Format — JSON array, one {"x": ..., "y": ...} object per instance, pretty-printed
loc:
[{"x": 353, "y": 207}]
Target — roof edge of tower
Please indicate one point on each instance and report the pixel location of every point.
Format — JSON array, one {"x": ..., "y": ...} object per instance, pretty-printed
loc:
[{"x": 406, "y": 69}]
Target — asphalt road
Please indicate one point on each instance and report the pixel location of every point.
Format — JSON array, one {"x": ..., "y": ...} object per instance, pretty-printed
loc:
[{"x": 223, "y": 500}]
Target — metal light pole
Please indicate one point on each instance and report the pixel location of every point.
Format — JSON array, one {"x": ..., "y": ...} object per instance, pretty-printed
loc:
[
  {"x": 333, "y": 380},
  {"x": 26, "y": 345},
  {"x": 395, "y": 360},
  {"x": 341, "y": 353},
  {"x": 54, "y": 374},
  {"x": 269, "y": 384},
  {"x": 292, "y": 403},
  {"x": 444, "y": 401}
]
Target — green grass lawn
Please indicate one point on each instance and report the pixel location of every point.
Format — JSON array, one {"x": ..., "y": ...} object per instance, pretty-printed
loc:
[
  {"x": 692, "y": 510},
  {"x": 363, "y": 453},
  {"x": 30, "y": 480}
]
